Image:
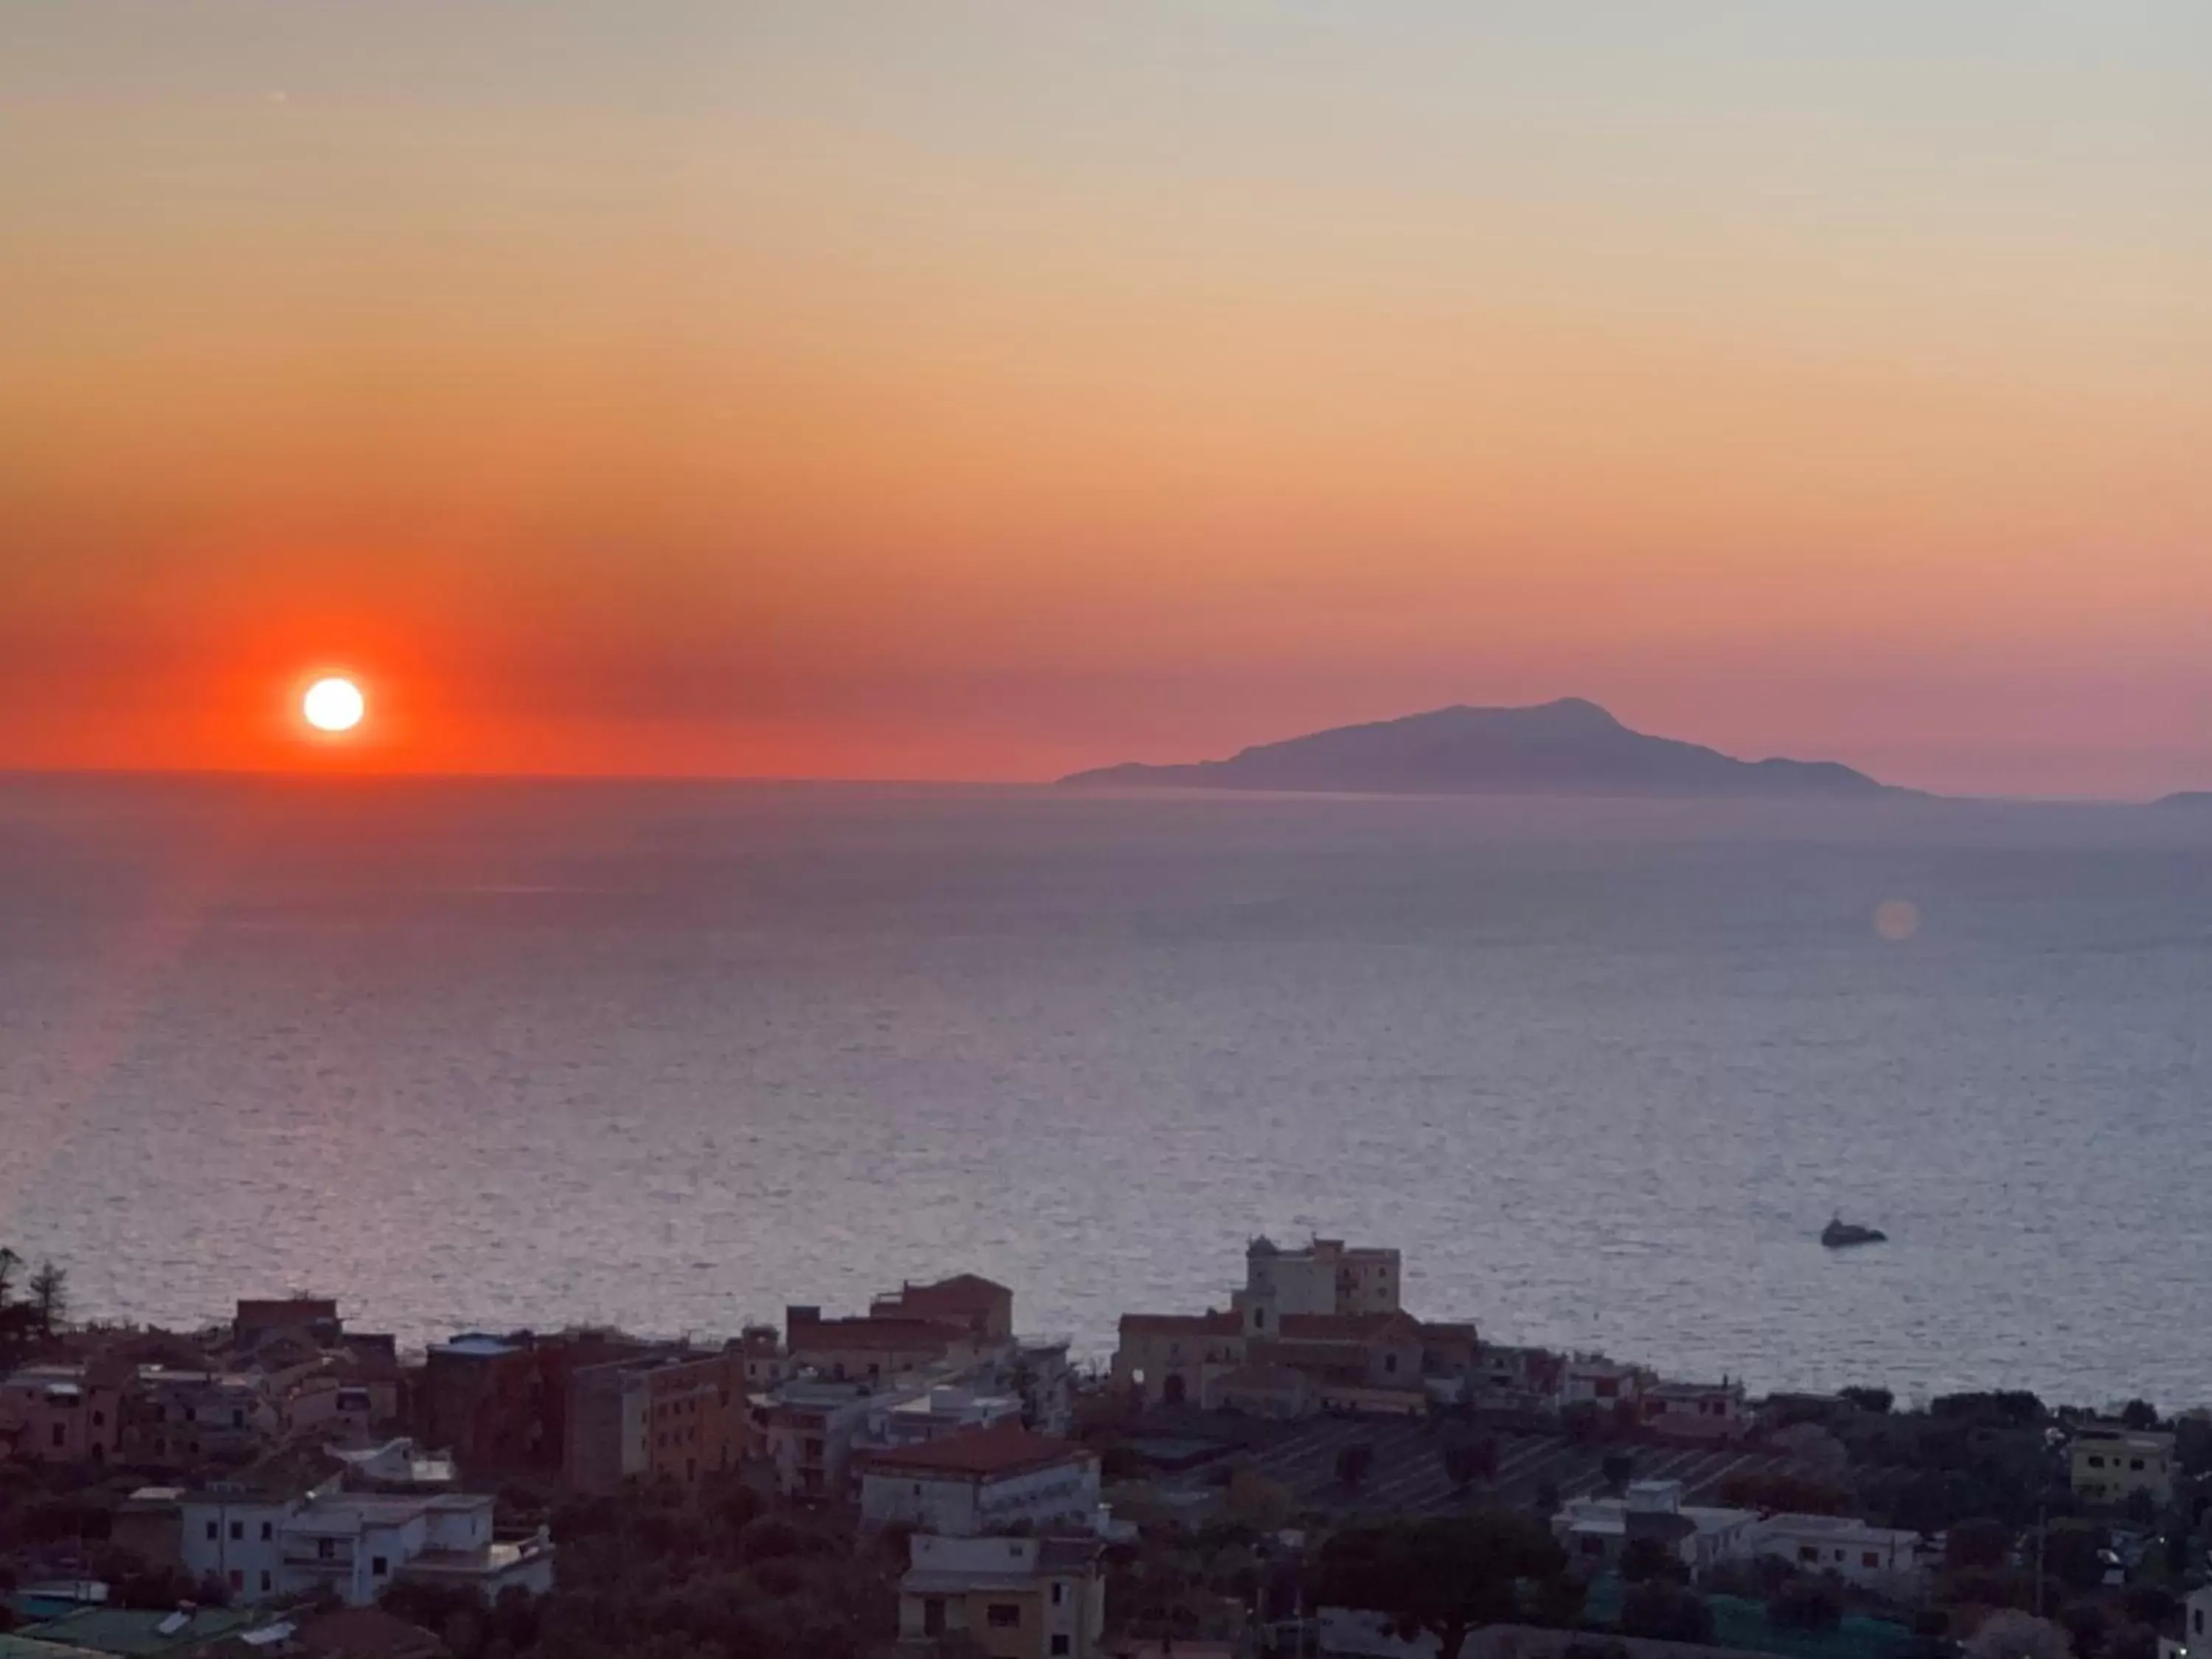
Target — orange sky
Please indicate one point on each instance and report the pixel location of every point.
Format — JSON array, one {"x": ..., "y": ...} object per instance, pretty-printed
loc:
[{"x": 987, "y": 390}]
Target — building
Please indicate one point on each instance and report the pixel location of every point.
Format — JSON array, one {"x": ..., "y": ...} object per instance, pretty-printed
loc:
[
  {"x": 180, "y": 1418},
  {"x": 878, "y": 1350},
  {"x": 1696, "y": 1411},
  {"x": 1595, "y": 1531},
  {"x": 146, "y": 1635},
  {"x": 2108, "y": 1464},
  {"x": 1016, "y": 1598},
  {"x": 1175, "y": 1359},
  {"x": 1327, "y": 1277},
  {"x": 58, "y": 1414},
  {"x": 804, "y": 1430},
  {"x": 935, "y": 1413},
  {"x": 2196, "y": 1627},
  {"x": 272, "y": 1541},
  {"x": 1884, "y": 1558},
  {"x": 977, "y": 1305},
  {"x": 678, "y": 1414},
  {"x": 500, "y": 1403},
  {"x": 1593, "y": 1380},
  {"x": 314, "y": 1318},
  {"x": 980, "y": 1481},
  {"x": 1272, "y": 1391}
]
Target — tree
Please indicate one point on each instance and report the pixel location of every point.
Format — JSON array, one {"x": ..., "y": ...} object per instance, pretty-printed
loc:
[
  {"x": 1617, "y": 1469},
  {"x": 1441, "y": 1577},
  {"x": 2085, "y": 1624},
  {"x": 1876, "y": 1401},
  {"x": 1666, "y": 1612},
  {"x": 1353, "y": 1463},
  {"x": 2008, "y": 1633},
  {"x": 1982, "y": 1542},
  {"x": 9, "y": 1262},
  {"x": 1645, "y": 1558},
  {"x": 49, "y": 1298},
  {"x": 2073, "y": 1553},
  {"x": 2139, "y": 1415},
  {"x": 1806, "y": 1604}
]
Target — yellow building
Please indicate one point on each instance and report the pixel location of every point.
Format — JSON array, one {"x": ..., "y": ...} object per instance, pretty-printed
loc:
[
  {"x": 1017, "y": 1598},
  {"x": 2107, "y": 1464}
]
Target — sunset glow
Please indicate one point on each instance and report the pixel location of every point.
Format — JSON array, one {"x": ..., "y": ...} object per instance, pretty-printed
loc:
[{"x": 984, "y": 392}]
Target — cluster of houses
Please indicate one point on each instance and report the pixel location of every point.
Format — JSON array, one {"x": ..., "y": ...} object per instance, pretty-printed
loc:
[
  {"x": 1322, "y": 1328},
  {"x": 292, "y": 1458}
]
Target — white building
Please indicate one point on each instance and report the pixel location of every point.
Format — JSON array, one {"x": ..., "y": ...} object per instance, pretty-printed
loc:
[
  {"x": 1593, "y": 1380},
  {"x": 1887, "y": 1558},
  {"x": 912, "y": 1419},
  {"x": 2196, "y": 1627},
  {"x": 981, "y": 1481},
  {"x": 274, "y": 1545},
  {"x": 1015, "y": 1596},
  {"x": 1596, "y": 1530},
  {"x": 1696, "y": 1411}
]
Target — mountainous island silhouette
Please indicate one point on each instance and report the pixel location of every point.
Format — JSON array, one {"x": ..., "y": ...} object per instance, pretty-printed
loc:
[{"x": 1571, "y": 746}]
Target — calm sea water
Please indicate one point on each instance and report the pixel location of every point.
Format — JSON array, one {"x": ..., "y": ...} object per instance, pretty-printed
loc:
[{"x": 510, "y": 1055}]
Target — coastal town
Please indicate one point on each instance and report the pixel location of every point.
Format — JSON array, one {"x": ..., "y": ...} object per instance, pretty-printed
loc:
[{"x": 1308, "y": 1468}]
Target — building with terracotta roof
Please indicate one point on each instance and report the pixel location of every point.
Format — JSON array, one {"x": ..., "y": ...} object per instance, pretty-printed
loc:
[
  {"x": 363, "y": 1633},
  {"x": 877, "y": 1350},
  {"x": 981, "y": 1480},
  {"x": 1328, "y": 1312},
  {"x": 978, "y": 1305}
]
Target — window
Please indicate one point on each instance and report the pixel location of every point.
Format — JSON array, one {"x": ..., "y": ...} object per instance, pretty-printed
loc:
[
  {"x": 1870, "y": 1558},
  {"x": 1259, "y": 1319},
  {"x": 2095, "y": 1461},
  {"x": 1806, "y": 1552},
  {"x": 1059, "y": 1593},
  {"x": 191, "y": 1414},
  {"x": 238, "y": 1532},
  {"x": 1608, "y": 1387},
  {"x": 932, "y": 1615},
  {"x": 1059, "y": 1644},
  {"x": 238, "y": 1418},
  {"x": 100, "y": 1419},
  {"x": 2197, "y": 1620},
  {"x": 214, "y": 1532},
  {"x": 2135, "y": 1463},
  {"x": 61, "y": 1434},
  {"x": 1390, "y": 1362},
  {"x": 1003, "y": 1615},
  {"x": 237, "y": 1579},
  {"x": 268, "y": 1531},
  {"x": 917, "y": 1489},
  {"x": 326, "y": 1549},
  {"x": 265, "y": 1581},
  {"x": 378, "y": 1567}
]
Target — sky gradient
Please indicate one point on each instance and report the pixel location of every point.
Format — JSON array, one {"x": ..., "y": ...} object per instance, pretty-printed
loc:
[{"x": 987, "y": 390}]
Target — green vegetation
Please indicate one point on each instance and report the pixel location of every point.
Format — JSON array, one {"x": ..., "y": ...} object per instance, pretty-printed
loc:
[{"x": 1442, "y": 1577}]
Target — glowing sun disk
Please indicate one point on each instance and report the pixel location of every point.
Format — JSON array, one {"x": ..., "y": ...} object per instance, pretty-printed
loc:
[{"x": 334, "y": 705}]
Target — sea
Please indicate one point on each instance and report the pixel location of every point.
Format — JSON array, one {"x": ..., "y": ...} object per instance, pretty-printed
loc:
[{"x": 495, "y": 1055}]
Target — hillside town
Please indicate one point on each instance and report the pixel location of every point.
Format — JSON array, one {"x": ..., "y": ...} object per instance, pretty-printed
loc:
[{"x": 1308, "y": 1469}]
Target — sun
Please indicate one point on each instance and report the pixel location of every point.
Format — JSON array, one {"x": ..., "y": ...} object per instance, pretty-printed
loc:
[{"x": 334, "y": 706}]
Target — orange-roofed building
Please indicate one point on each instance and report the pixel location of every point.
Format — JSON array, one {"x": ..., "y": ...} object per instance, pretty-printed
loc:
[
  {"x": 978, "y": 1305},
  {"x": 877, "y": 1350},
  {"x": 982, "y": 1480}
]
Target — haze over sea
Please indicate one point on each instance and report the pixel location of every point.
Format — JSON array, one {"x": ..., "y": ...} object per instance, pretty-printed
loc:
[{"x": 495, "y": 1055}]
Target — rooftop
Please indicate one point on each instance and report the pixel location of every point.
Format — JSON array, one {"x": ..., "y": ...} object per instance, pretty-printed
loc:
[
  {"x": 130, "y": 1633},
  {"x": 886, "y": 1335},
  {"x": 1001, "y": 1449},
  {"x": 1210, "y": 1323}
]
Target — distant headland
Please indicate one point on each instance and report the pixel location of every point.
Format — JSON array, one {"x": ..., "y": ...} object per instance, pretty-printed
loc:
[{"x": 1568, "y": 747}]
